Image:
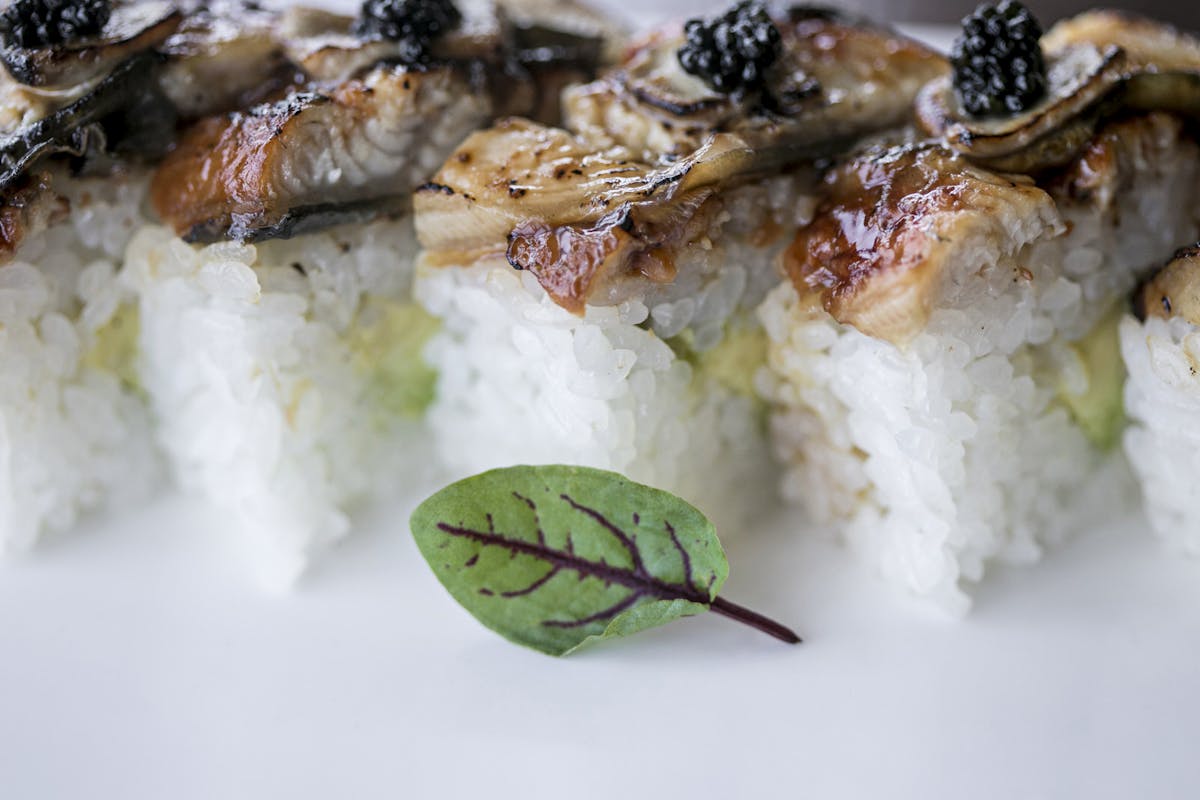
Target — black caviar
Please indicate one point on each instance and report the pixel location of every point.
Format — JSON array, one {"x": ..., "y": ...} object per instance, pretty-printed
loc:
[
  {"x": 732, "y": 52},
  {"x": 414, "y": 24},
  {"x": 997, "y": 59},
  {"x": 38, "y": 23}
]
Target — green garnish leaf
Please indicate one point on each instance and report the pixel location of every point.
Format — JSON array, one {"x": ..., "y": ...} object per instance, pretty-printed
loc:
[{"x": 554, "y": 557}]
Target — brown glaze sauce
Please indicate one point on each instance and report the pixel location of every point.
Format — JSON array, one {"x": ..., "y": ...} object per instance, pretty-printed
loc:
[
  {"x": 27, "y": 207},
  {"x": 657, "y": 265},
  {"x": 569, "y": 261},
  {"x": 868, "y": 224},
  {"x": 12, "y": 231},
  {"x": 574, "y": 262}
]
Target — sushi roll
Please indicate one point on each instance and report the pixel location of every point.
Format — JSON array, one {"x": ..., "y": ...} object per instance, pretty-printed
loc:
[
  {"x": 1162, "y": 398},
  {"x": 944, "y": 373},
  {"x": 594, "y": 284},
  {"x": 280, "y": 346},
  {"x": 74, "y": 427}
]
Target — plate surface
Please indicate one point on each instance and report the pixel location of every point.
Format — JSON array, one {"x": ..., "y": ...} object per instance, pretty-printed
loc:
[{"x": 136, "y": 661}]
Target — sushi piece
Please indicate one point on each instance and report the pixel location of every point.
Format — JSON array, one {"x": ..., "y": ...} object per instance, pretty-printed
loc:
[
  {"x": 1162, "y": 397},
  {"x": 280, "y": 346},
  {"x": 74, "y": 427},
  {"x": 595, "y": 284},
  {"x": 93, "y": 93},
  {"x": 944, "y": 371}
]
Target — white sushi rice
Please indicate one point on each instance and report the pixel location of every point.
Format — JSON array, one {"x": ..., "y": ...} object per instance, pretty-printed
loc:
[
  {"x": 1162, "y": 398},
  {"x": 74, "y": 430},
  {"x": 522, "y": 381},
  {"x": 936, "y": 458},
  {"x": 267, "y": 368}
]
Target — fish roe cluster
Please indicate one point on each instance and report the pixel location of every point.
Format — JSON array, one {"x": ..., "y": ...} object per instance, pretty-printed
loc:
[
  {"x": 414, "y": 24},
  {"x": 732, "y": 52},
  {"x": 38, "y": 23},
  {"x": 997, "y": 60}
]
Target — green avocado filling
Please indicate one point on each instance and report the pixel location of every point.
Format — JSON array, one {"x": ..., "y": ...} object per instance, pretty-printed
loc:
[
  {"x": 732, "y": 363},
  {"x": 388, "y": 350},
  {"x": 115, "y": 346},
  {"x": 1100, "y": 410}
]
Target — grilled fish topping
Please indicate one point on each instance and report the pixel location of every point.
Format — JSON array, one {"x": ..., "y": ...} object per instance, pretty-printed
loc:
[
  {"x": 131, "y": 28},
  {"x": 362, "y": 128},
  {"x": 1175, "y": 290},
  {"x": 318, "y": 157},
  {"x": 894, "y": 227},
  {"x": 90, "y": 98},
  {"x": 590, "y": 225},
  {"x": 603, "y": 210},
  {"x": 226, "y": 54},
  {"x": 1099, "y": 64},
  {"x": 124, "y": 104},
  {"x": 835, "y": 80}
]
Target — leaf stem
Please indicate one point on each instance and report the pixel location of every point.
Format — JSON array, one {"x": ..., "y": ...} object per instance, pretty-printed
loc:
[{"x": 754, "y": 620}]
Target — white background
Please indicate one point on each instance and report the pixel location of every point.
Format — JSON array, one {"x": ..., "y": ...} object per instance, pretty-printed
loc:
[{"x": 137, "y": 661}]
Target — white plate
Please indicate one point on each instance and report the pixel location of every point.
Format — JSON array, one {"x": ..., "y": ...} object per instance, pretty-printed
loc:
[{"x": 137, "y": 662}]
